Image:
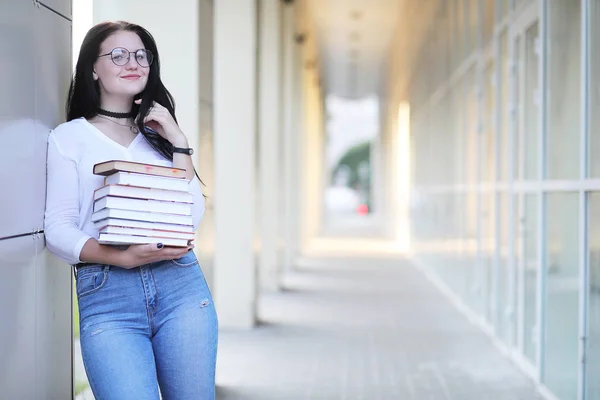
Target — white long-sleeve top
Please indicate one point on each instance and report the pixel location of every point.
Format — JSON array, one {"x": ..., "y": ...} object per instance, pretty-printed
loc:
[{"x": 73, "y": 149}]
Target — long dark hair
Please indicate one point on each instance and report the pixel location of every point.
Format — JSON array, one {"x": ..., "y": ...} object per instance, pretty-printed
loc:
[{"x": 84, "y": 92}]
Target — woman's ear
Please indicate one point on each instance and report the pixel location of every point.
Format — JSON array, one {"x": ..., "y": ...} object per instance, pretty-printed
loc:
[{"x": 95, "y": 75}]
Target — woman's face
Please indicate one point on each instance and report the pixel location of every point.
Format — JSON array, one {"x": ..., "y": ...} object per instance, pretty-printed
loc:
[{"x": 121, "y": 80}]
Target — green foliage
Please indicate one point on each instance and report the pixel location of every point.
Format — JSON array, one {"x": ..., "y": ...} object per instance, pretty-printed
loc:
[
  {"x": 352, "y": 158},
  {"x": 75, "y": 316},
  {"x": 80, "y": 387}
]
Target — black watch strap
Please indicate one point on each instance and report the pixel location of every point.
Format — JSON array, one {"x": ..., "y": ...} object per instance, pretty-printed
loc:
[{"x": 187, "y": 151}]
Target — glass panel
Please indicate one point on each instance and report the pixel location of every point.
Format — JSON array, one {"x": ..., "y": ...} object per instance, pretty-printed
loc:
[
  {"x": 453, "y": 35},
  {"x": 460, "y": 30},
  {"x": 477, "y": 276},
  {"x": 526, "y": 254},
  {"x": 530, "y": 105},
  {"x": 488, "y": 20},
  {"x": 473, "y": 15},
  {"x": 504, "y": 6},
  {"x": 527, "y": 111},
  {"x": 503, "y": 109},
  {"x": 487, "y": 140},
  {"x": 469, "y": 147},
  {"x": 522, "y": 3},
  {"x": 594, "y": 89},
  {"x": 519, "y": 153},
  {"x": 594, "y": 298},
  {"x": 562, "y": 298},
  {"x": 464, "y": 270},
  {"x": 503, "y": 316},
  {"x": 488, "y": 234},
  {"x": 564, "y": 84}
]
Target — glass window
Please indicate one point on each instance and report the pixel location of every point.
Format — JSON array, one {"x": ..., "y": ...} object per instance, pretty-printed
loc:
[
  {"x": 488, "y": 20},
  {"x": 530, "y": 105},
  {"x": 488, "y": 155},
  {"x": 526, "y": 259},
  {"x": 503, "y": 109},
  {"x": 594, "y": 298},
  {"x": 503, "y": 6},
  {"x": 443, "y": 171},
  {"x": 594, "y": 89},
  {"x": 522, "y": 3},
  {"x": 504, "y": 311},
  {"x": 519, "y": 153},
  {"x": 488, "y": 245},
  {"x": 527, "y": 111},
  {"x": 460, "y": 30},
  {"x": 469, "y": 147},
  {"x": 564, "y": 88},
  {"x": 562, "y": 295},
  {"x": 473, "y": 21},
  {"x": 476, "y": 291}
]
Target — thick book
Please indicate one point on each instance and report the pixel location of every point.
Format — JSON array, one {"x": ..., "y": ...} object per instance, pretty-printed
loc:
[
  {"x": 112, "y": 238},
  {"x": 143, "y": 193},
  {"x": 147, "y": 232},
  {"x": 142, "y": 216},
  {"x": 147, "y": 181},
  {"x": 128, "y": 223},
  {"x": 123, "y": 203},
  {"x": 112, "y": 166}
]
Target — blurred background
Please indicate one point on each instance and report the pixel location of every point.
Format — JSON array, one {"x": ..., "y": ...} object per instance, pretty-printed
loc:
[{"x": 403, "y": 195}]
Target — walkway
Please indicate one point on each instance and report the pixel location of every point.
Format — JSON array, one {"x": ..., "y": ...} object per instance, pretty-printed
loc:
[{"x": 363, "y": 329}]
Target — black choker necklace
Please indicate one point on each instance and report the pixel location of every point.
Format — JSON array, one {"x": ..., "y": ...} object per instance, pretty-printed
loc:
[{"x": 115, "y": 114}]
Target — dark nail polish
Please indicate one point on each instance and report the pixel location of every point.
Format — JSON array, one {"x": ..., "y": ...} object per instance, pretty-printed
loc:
[{"x": 159, "y": 245}]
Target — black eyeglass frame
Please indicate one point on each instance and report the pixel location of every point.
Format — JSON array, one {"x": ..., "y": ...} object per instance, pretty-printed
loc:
[{"x": 149, "y": 56}]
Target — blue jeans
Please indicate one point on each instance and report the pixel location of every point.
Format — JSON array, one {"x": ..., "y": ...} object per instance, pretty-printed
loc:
[{"x": 148, "y": 327}]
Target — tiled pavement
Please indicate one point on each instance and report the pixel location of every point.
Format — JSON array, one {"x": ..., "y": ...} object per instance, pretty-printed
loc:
[{"x": 363, "y": 329}]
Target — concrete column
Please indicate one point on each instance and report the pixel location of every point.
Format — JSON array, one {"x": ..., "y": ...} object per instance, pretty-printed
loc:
[
  {"x": 311, "y": 157},
  {"x": 234, "y": 144},
  {"x": 290, "y": 107},
  {"x": 269, "y": 125},
  {"x": 376, "y": 175},
  {"x": 388, "y": 167},
  {"x": 299, "y": 120}
]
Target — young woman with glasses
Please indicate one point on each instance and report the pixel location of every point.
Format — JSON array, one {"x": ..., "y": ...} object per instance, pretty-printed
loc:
[{"x": 147, "y": 319}]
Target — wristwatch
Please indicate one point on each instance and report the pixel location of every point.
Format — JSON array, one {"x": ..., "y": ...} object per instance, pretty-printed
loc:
[{"x": 187, "y": 151}]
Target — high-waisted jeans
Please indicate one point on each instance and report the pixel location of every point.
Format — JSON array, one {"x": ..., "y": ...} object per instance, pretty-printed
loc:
[{"x": 148, "y": 327}]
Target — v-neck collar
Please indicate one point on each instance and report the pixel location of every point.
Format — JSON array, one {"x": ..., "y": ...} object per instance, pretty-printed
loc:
[{"x": 99, "y": 133}]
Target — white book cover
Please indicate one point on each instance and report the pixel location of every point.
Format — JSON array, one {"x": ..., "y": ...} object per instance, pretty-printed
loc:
[
  {"x": 142, "y": 205},
  {"x": 137, "y": 192},
  {"x": 147, "y": 232},
  {"x": 111, "y": 238},
  {"x": 148, "y": 181},
  {"x": 128, "y": 223},
  {"x": 142, "y": 216}
]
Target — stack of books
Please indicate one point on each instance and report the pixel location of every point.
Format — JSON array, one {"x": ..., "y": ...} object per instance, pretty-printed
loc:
[{"x": 142, "y": 203}]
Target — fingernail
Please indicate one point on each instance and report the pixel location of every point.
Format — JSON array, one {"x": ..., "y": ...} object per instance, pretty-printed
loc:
[{"x": 159, "y": 245}]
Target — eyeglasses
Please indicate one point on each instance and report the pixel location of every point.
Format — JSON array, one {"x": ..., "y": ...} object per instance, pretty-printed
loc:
[{"x": 120, "y": 56}]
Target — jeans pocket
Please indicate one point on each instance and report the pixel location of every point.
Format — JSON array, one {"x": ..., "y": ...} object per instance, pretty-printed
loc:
[
  {"x": 188, "y": 260},
  {"x": 91, "y": 279}
]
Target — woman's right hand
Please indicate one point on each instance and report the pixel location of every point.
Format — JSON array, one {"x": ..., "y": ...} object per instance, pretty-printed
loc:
[{"x": 140, "y": 254}]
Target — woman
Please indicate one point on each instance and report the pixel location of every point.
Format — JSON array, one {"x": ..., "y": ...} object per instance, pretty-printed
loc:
[{"x": 146, "y": 314}]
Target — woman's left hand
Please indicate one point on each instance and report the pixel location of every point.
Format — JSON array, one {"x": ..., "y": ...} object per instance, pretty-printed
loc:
[{"x": 160, "y": 119}]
